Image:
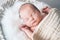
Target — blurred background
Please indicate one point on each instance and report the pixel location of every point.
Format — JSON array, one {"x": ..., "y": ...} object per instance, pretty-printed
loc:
[
  {"x": 7, "y": 3},
  {"x": 52, "y": 3}
]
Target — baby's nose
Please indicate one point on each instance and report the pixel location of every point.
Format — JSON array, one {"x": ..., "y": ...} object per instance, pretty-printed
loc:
[{"x": 31, "y": 18}]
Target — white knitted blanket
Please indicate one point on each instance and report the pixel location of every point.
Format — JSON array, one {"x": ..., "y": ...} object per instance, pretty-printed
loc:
[{"x": 49, "y": 27}]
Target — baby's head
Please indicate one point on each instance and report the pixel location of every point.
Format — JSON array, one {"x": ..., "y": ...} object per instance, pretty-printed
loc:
[{"x": 30, "y": 14}]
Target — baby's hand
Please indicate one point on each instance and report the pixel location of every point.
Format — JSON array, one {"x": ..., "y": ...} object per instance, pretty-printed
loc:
[
  {"x": 46, "y": 10},
  {"x": 27, "y": 30}
]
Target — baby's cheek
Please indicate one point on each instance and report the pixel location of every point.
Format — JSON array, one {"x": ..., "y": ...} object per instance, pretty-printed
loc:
[
  {"x": 27, "y": 23},
  {"x": 35, "y": 17}
]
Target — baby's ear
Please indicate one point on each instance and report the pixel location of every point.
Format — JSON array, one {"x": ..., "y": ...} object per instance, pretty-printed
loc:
[{"x": 46, "y": 10}]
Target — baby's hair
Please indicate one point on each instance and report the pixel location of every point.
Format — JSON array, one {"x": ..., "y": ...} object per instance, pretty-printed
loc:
[{"x": 31, "y": 5}]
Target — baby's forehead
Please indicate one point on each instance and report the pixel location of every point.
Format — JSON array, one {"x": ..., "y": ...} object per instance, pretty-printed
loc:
[{"x": 27, "y": 6}]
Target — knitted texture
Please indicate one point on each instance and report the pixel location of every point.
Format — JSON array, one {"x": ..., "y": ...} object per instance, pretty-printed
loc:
[{"x": 49, "y": 27}]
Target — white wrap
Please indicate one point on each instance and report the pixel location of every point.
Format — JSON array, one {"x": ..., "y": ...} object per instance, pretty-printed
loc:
[{"x": 49, "y": 27}]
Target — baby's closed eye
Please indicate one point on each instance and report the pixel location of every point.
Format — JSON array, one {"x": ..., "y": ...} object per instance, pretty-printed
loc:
[{"x": 26, "y": 19}]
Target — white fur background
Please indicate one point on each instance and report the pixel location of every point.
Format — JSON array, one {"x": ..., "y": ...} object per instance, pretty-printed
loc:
[{"x": 11, "y": 21}]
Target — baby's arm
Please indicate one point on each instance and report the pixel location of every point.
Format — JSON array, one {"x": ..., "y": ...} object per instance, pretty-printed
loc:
[{"x": 27, "y": 30}]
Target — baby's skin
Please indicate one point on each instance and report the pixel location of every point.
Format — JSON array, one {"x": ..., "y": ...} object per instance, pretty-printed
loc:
[{"x": 32, "y": 17}]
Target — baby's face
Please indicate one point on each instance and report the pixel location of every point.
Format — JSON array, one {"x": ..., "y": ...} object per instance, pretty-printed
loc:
[{"x": 30, "y": 17}]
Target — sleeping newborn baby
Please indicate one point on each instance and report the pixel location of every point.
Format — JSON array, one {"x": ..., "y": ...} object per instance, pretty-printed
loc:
[{"x": 31, "y": 17}]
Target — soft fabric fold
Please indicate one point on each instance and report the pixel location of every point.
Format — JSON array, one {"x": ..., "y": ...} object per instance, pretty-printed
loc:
[{"x": 49, "y": 27}]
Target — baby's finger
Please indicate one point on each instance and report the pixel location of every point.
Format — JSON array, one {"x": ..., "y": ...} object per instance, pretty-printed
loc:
[
  {"x": 28, "y": 32},
  {"x": 25, "y": 29}
]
